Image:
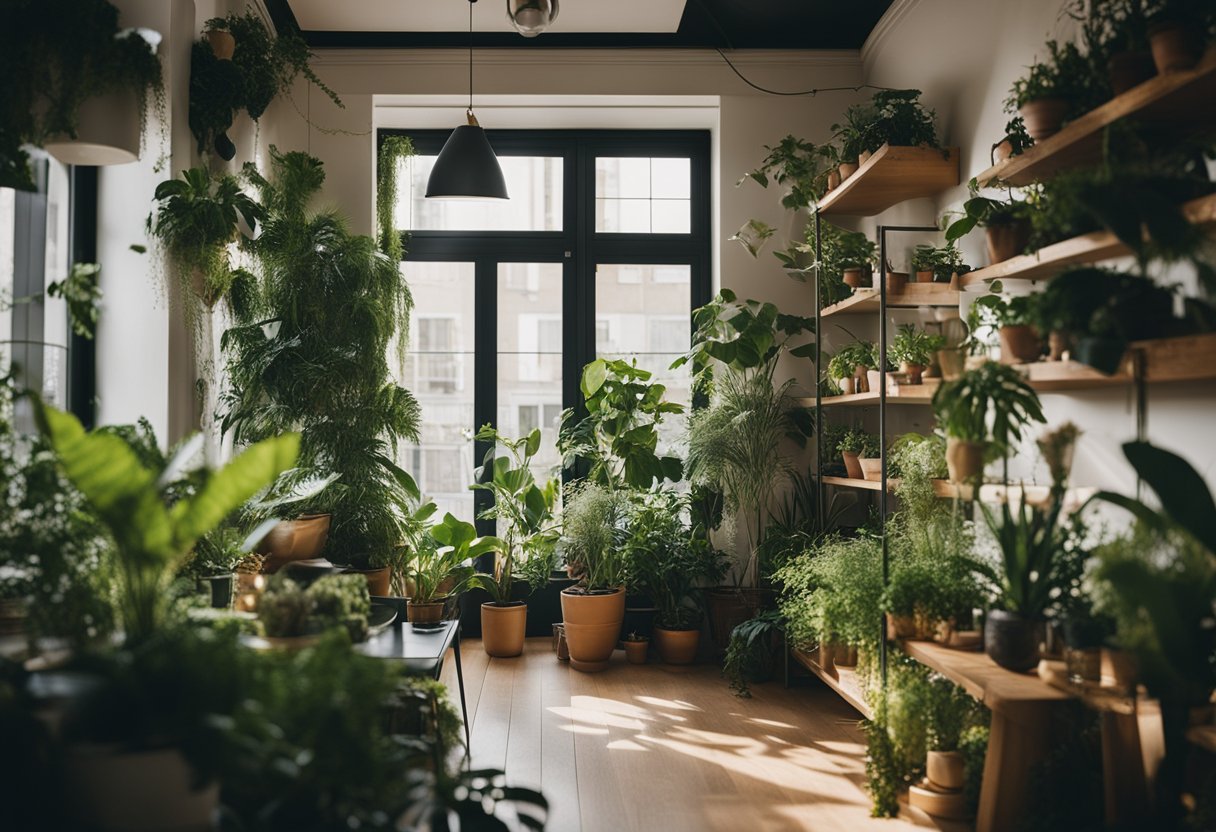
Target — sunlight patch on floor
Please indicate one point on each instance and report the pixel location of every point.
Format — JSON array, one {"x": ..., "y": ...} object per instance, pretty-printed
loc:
[
  {"x": 626, "y": 745},
  {"x": 672, "y": 704}
]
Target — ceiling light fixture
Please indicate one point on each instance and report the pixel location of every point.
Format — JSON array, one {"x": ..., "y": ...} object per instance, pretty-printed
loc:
[
  {"x": 467, "y": 167},
  {"x": 531, "y": 17}
]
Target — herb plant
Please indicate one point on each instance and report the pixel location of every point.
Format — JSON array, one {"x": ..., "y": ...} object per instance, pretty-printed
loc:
[
  {"x": 915, "y": 346},
  {"x": 593, "y": 531}
]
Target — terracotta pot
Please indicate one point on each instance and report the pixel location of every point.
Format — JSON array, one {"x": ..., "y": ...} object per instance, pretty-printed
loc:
[
  {"x": 677, "y": 646},
  {"x": 1020, "y": 345},
  {"x": 916, "y": 372},
  {"x": 136, "y": 791},
  {"x": 897, "y": 283},
  {"x": 379, "y": 580},
  {"x": 729, "y": 607},
  {"x": 952, "y": 363},
  {"x": 1058, "y": 343},
  {"x": 1007, "y": 240},
  {"x": 1129, "y": 69},
  {"x": 424, "y": 612},
  {"x": 635, "y": 651},
  {"x": 852, "y": 465},
  {"x": 593, "y": 626},
  {"x": 1176, "y": 46},
  {"x": 502, "y": 629},
  {"x": 925, "y": 276},
  {"x": 826, "y": 657},
  {"x": 223, "y": 44},
  {"x": 871, "y": 468},
  {"x": 290, "y": 540},
  {"x": 854, "y": 277},
  {"x": 1043, "y": 117},
  {"x": 863, "y": 157},
  {"x": 1002, "y": 152},
  {"x": 964, "y": 460},
  {"x": 833, "y": 179},
  {"x": 945, "y": 769},
  {"x": 844, "y": 655},
  {"x": 1011, "y": 640},
  {"x": 846, "y": 386},
  {"x": 847, "y": 169},
  {"x": 861, "y": 379}
]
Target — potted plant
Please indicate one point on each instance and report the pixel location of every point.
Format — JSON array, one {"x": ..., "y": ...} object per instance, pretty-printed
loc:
[
  {"x": 1006, "y": 224},
  {"x": 869, "y": 457},
  {"x": 991, "y": 394},
  {"x": 752, "y": 656},
  {"x": 214, "y": 560},
  {"x": 950, "y": 712},
  {"x": 524, "y": 511},
  {"x": 850, "y": 448},
  {"x": 851, "y": 137},
  {"x": 636, "y": 647},
  {"x": 914, "y": 349},
  {"x": 1176, "y": 33},
  {"x": 899, "y": 119},
  {"x": 856, "y": 255},
  {"x": 935, "y": 265},
  {"x": 221, "y": 41},
  {"x": 1014, "y": 143},
  {"x": 1117, "y": 33},
  {"x": 1053, "y": 90},
  {"x": 294, "y": 616},
  {"x": 1015, "y": 319},
  {"x": 441, "y": 567},
  {"x": 592, "y": 610},
  {"x": 800, "y": 167}
]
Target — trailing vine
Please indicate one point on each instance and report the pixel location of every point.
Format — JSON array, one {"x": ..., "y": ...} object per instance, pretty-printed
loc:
[{"x": 393, "y": 150}]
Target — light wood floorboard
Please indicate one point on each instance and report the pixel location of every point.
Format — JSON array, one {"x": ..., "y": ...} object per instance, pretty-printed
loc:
[{"x": 667, "y": 748}]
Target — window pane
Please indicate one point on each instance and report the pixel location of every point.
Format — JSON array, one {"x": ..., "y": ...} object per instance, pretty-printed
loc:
[
  {"x": 623, "y": 216},
  {"x": 439, "y": 371},
  {"x": 530, "y": 355},
  {"x": 534, "y": 183},
  {"x": 643, "y": 195},
  {"x": 670, "y": 178},
  {"x": 671, "y": 216},
  {"x": 622, "y": 177}
]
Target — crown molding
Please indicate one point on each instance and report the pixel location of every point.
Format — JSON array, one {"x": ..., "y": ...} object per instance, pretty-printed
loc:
[
  {"x": 889, "y": 21},
  {"x": 842, "y": 58}
]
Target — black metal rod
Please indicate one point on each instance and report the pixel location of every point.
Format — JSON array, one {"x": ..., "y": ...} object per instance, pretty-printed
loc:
[
  {"x": 882, "y": 433},
  {"x": 821, "y": 505}
]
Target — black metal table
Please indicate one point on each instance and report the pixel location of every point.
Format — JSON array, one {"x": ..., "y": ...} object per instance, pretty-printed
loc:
[{"x": 421, "y": 651}]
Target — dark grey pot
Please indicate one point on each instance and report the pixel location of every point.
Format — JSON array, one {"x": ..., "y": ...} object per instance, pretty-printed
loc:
[
  {"x": 1011, "y": 640},
  {"x": 221, "y": 590}
]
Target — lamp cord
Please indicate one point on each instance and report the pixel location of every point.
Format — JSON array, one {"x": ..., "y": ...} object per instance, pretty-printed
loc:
[{"x": 471, "y": 2}]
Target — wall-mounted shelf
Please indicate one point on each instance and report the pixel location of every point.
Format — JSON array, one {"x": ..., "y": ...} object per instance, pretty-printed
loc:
[
  {"x": 843, "y": 680},
  {"x": 908, "y": 394},
  {"x": 1088, "y": 248},
  {"x": 891, "y": 176},
  {"x": 865, "y": 300},
  {"x": 1181, "y": 98},
  {"x": 1187, "y": 358},
  {"x": 940, "y": 487}
]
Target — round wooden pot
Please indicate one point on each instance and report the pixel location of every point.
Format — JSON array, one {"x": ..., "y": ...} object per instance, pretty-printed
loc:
[
  {"x": 833, "y": 179},
  {"x": 1129, "y": 69},
  {"x": 222, "y": 43},
  {"x": 1020, "y": 345},
  {"x": 1007, "y": 240},
  {"x": 945, "y": 769},
  {"x": 635, "y": 651},
  {"x": 924, "y": 276},
  {"x": 915, "y": 372},
  {"x": 425, "y": 612},
  {"x": 964, "y": 460},
  {"x": 290, "y": 540},
  {"x": 136, "y": 791},
  {"x": 897, "y": 283},
  {"x": 593, "y": 626},
  {"x": 871, "y": 468},
  {"x": 1176, "y": 46},
  {"x": 1043, "y": 117},
  {"x": 852, "y": 465},
  {"x": 847, "y": 169},
  {"x": 503, "y": 627},
  {"x": 677, "y": 646}
]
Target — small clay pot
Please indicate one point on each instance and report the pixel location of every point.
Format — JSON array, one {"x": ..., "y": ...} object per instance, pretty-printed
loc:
[
  {"x": 945, "y": 769},
  {"x": 1007, "y": 240},
  {"x": 924, "y": 276},
  {"x": 635, "y": 651},
  {"x": 863, "y": 157},
  {"x": 1002, "y": 152},
  {"x": 426, "y": 612},
  {"x": 847, "y": 169},
  {"x": 1043, "y": 117},
  {"x": 1129, "y": 69},
  {"x": 833, "y": 179},
  {"x": 379, "y": 580},
  {"x": 854, "y": 277},
  {"x": 901, "y": 626},
  {"x": 1176, "y": 45},
  {"x": 677, "y": 646},
  {"x": 897, "y": 282},
  {"x": 916, "y": 372},
  {"x": 846, "y": 385},
  {"x": 852, "y": 465},
  {"x": 222, "y": 43},
  {"x": 964, "y": 460},
  {"x": 1020, "y": 345},
  {"x": 871, "y": 468}
]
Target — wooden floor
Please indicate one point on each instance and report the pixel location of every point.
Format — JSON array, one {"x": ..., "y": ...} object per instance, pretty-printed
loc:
[{"x": 665, "y": 748}]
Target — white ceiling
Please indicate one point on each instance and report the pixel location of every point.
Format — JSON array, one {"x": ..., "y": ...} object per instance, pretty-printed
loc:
[{"x": 488, "y": 16}]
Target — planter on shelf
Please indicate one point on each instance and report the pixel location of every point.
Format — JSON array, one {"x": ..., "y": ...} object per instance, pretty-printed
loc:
[
  {"x": 1043, "y": 117},
  {"x": 945, "y": 769},
  {"x": 847, "y": 169},
  {"x": 914, "y": 372},
  {"x": 379, "y": 579},
  {"x": 1020, "y": 344},
  {"x": 635, "y": 651},
  {"x": 844, "y": 655},
  {"x": 1129, "y": 69},
  {"x": 1002, "y": 152},
  {"x": 855, "y": 277},
  {"x": 677, "y": 646},
  {"x": 833, "y": 179},
  {"x": 1012, "y": 640},
  {"x": 874, "y": 381},
  {"x": 425, "y": 612},
  {"x": 136, "y": 791},
  {"x": 1121, "y": 668},
  {"x": 502, "y": 628},
  {"x": 861, "y": 381},
  {"x": 1058, "y": 343},
  {"x": 826, "y": 657},
  {"x": 846, "y": 386},
  {"x": 222, "y": 44},
  {"x": 1103, "y": 354},
  {"x": 1176, "y": 45},
  {"x": 1007, "y": 240},
  {"x": 221, "y": 589},
  {"x": 902, "y": 626},
  {"x": 593, "y": 626},
  {"x": 292, "y": 540},
  {"x": 729, "y": 607},
  {"x": 871, "y": 468},
  {"x": 863, "y": 157},
  {"x": 897, "y": 283},
  {"x": 924, "y": 276},
  {"x": 964, "y": 460},
  {"x": 852, "y": 465}
]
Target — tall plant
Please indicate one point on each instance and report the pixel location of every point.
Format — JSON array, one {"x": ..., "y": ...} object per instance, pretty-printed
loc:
[{"x": 309, "y": 352}]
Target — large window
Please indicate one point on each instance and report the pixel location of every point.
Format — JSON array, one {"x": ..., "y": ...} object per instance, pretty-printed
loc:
[{"x": 602, "y": 250}]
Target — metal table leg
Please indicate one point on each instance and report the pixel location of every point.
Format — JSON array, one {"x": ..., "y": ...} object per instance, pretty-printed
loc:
[{"x": 464, "y": 708}]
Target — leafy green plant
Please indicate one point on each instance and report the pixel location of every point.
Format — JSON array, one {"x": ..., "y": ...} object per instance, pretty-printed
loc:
[
  {"x": 1064, "y": 73},
  {"x": 833, "y": 592},
  {"x": 917, "y": 460},
  {"x": 943, "y": 261},
  {"x": 81, "y": 293},
  {"x": 852, "y": 135},
  {"x": 798, "y": 166},
  {"x": 287, "y": 609},
  {"x": 900, "y": 120},
  {"x": 56, "y": 55},
  {"x": 915, "y": 346},
  {"x": 998, "y": 310},
  {"x": 619, "y": 436},
  {"x": 1017, "y": 137},
  {"x": 216, "y": 553},
  {"x": 991, "y": 401},
  {"x": 310, "y": 351},
  {"x": 855, "y": 441},
  {"x": 394, "y": 150},
  {"x": 523, "y": 509},
  {"x": 985, "y": 212},
  {"x": 593, "y": 531},
  {"x": 751, "y": 652},
  {"x": 442, "y": 557},
  {"x": 849, "y": 357}
]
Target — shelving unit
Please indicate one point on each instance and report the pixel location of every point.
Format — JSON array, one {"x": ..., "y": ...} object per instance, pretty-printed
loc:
[
  {"x": 908, "y": 394},
  {"x": 940, "y": 487},
  {"x": 1088, "y": 248},
  {"x": 891, "y": 176},
  {"x": 1166, "y": 100},
  {"x": 843, "y": 680},
  {"x": 915, "y": 295}
]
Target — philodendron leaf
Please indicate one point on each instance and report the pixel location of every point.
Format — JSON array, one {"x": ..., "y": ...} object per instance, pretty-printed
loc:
[
  {"x": 593, "y": 377},
  {"x": 1184, "y": 495}
]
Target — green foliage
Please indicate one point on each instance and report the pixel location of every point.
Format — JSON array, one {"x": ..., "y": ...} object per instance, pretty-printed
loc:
[
  {"x": 751, "y": 652},
  {"x": 798, "y": 166},
  {"x": 985, "y": 212},
  {"x": 841, "y": 249},
  {"x": 915, "y": 346},
  {"x": 1015, "y": 133},
  {"x": 1034, "y": 565},
  {"x": 394, "y": 150},
  {"x": 851, "y": 135},
  {"x": 849, "y": 357},
  {"x": 834, "y": 592},
  {"x": 263, "y": 67},
  {"x": 216, "y": 553},
  {"x": 974, "y": 747},
  {"x": 593, "y": 534},
  {"x": 287, "y": 609},
  {"x": 992, "y": 394},
  {"x": 854, "y": 441},
  {"x": 943, "y": 261},
  {"x": 81, "y": 293},
  {"x": 524, "y": 510},
  {"x": 54, "y": 56},
  {"x": 619, "y": 435},
  {"x": 997, "y": 310},
  {"x": 309, "y": 352},
  {"x": 441, "y": 556},
  {"x": 1065, "y": 73},
  {"x": 917, "y": 460},
  {"x": 151, "y": 540},
  {"x": 900, "y": 120}
]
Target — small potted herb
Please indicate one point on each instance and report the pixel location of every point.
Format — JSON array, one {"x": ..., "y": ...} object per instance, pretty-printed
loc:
[
  {"x": 1014, "y": 143},
  {"x": 914, "y": 349},
  {"x": 852, "y": 138},
  {"x": 900, "y": 120},
  {"x": 1006, "y": 223},
  {"x": 869, "y": 457},
  {"x": 636, "y": 647},
  {"x": 936, "y": 264},
  {"x": 850, "y": 447},
  {"x": 1015, "y": 318},
  {"x": 1051, "y": 91},
  {"x": 441, "y": 567},
  {"x": 856, "y": 254}
]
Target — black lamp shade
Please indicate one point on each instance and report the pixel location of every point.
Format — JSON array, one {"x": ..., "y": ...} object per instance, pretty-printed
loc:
[{"x": 467, "y": 168}]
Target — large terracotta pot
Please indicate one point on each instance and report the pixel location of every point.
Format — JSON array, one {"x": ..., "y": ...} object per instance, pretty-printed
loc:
[
  {"x": 1043, "y": 117},
  {"x": 426, "y": 612},
  {"x": 897, "y": 283},
  {"x": 1011, "y": 640},
  {"x": 502, "y": 629},
  {"x": 139, "y": 791},
  {"x": 1129, "y": 69},
  {"x": 852, "y": 465},
  {"x": 1176, "y": 46},
  {"x": 677, "y": 646},
  {"x": 1007, "y": 240},
  {"x": 593, "y": 627},
  {"x": 945, "y": 769},
  {"x": 299, "y": 539},
  {"x": 964, "y": 460},
  {"x": 1020, "y": 345}
]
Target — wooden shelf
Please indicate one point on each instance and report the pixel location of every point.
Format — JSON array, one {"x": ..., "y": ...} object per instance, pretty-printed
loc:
[
  {"x": 891, "y": 176},
  {"x": 1186, "y": 358},
  {"x": 908, "y": 394},
  {"x": 981, "y": 677},
  {"x": 1088, "y": 248},
  {"x": 843, "y": 680},
  {"x": 1179, "y": 98},
  {"x": 914, "y": 295},
  {"x": 940, "y": 487}
]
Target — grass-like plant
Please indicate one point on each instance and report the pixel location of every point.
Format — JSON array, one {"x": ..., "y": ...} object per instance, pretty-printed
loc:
[{"x": 593, "y": 531}]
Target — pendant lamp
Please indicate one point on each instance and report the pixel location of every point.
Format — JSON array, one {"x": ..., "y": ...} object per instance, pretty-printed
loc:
[
  {"x": 467, "y": 167},
  {"x": 531, "y": 17}
]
